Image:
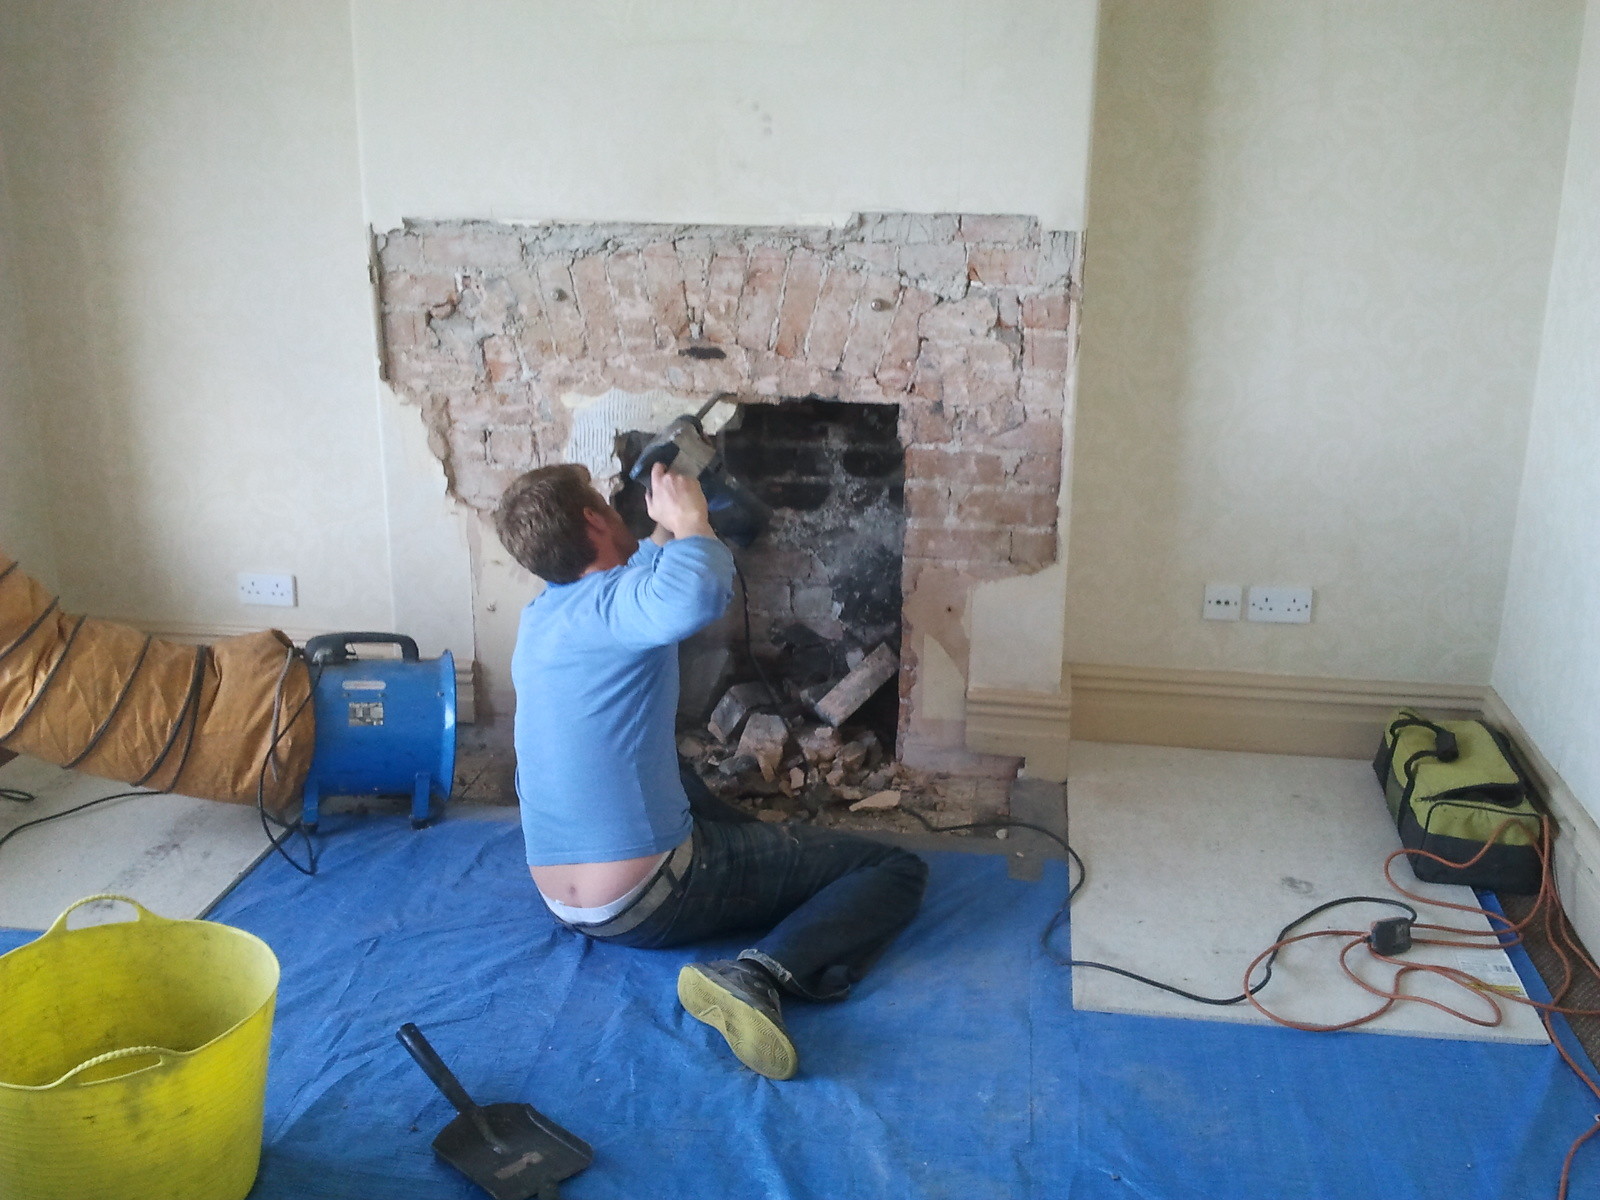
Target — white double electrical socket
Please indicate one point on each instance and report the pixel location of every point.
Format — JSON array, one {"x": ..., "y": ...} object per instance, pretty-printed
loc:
[
  {"x": 274, "y": 591},
  {"x": 1289, "y": 605}
]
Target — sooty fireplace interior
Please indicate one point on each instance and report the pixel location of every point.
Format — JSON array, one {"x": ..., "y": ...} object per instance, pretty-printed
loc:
[{"x": 820, "y": 590}]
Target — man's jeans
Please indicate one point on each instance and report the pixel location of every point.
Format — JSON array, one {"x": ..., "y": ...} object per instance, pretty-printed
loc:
[{"x": 829, "y": 902}]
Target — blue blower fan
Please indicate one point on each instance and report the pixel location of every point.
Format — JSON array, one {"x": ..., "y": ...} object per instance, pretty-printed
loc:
[{"x": 385, "y": 726}]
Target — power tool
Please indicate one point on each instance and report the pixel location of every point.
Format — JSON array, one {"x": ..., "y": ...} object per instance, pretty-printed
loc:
[{"x": 737, "y": 515}]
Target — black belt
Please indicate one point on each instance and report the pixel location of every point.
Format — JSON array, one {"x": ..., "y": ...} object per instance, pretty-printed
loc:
[{"x": 651, "y": 897}]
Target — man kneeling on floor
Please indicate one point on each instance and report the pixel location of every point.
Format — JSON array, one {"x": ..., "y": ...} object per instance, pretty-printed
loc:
[{"x": 624, "y": 843}]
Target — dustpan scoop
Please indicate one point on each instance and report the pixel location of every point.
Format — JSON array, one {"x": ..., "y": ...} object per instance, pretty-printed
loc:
[{"x": 512, "y": 1151}]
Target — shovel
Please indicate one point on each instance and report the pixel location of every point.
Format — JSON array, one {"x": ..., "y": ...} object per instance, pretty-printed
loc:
[{"x": 511, "y": 1151}]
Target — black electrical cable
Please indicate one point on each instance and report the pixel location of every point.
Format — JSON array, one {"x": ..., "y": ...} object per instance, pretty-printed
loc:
[
  {"x": 281, "y": 728},
  {"x": 67, "y": 812},
  {"x": 1267, "y": 962},
  {"x": 749, "y": 644}
]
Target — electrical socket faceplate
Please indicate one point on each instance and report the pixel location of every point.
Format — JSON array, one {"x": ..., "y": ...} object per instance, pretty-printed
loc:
[
  {"x": 275, "y": 591},
  {"x": 1223, "y": 602},
  {"x": 1290, "y": 605}
]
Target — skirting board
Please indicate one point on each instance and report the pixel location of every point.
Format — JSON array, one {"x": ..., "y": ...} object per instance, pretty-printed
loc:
[
  {"x": 1268, "y": 714},
  {"x": 1577, "y": 850},
  {"x": 1035, "y": 726}
]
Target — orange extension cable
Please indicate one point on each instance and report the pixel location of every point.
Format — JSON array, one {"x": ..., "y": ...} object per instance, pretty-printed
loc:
[{"x": 1558, "y": 932}]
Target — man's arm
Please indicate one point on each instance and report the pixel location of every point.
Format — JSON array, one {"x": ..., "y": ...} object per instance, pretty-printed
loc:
[
  {"x": 676, "y": 503},
  {"x": 688, "y": 582}
]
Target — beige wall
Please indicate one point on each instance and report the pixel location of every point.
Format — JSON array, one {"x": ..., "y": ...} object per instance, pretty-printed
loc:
[
  {"x": 761, "y": 112},
  {"x": 190, "y": 248},
  {"x": 1319, "y": 238},
  {"x": 24, "y": 504},
  {"x": 192, "y": 180},
  {"x": 1548, "y": 667},
  {"x": 733, "y": 111}
]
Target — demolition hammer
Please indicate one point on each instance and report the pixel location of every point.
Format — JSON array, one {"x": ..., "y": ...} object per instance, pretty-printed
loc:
[{"x": 737, "y": 515}]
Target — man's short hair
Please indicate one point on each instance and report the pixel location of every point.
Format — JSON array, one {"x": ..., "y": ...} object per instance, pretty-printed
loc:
[{"x": 540, "y": 521}]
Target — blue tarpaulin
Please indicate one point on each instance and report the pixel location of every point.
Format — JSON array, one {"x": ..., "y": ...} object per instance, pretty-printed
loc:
[{"x": 958, "y": 1068}]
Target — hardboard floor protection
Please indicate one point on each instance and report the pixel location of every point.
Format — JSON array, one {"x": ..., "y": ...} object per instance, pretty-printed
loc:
[
  {"x": 958, "y": 1070},
  {"x": 173, "y": 854},
  {"x": 1197, "y": 858}
]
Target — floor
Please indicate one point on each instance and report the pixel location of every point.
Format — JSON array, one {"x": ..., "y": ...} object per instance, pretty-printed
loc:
[{"x": 1059, "y": 1102}]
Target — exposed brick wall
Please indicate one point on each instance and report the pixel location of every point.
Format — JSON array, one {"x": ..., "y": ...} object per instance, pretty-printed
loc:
[{"x": 967, "y": 322}]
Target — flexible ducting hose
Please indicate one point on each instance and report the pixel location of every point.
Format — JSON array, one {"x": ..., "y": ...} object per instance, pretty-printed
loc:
[{"x": 107, "y": 699}]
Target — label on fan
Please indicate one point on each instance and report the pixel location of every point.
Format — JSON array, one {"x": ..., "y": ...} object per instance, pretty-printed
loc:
[
  {"x": 364, "y": 685},
  {"x": 367, "y": 712}
]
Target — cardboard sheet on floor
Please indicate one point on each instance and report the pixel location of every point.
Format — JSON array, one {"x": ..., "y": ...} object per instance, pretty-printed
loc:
[
  {"x": 959, "y": 1069},
  {"x": 173, "y": 854},
  {"x": 1197, "y": 859}
]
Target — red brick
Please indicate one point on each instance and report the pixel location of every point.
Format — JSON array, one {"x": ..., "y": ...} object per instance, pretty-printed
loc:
[
  {"x": 1033, "y": 547},
  {"x": 1005, "y": 507},
  {"x": 959, "y": 320},
  {"x": 663, "y": 277},
  {"x": 510, "y": 448},
  {"x": 561, "y": 308},
  {"x": 999, "y": 227},
  {"x": 1035, "y": 436},
  {"x": 830, "y": 324},
  {"x": 399, "y": 250},
  {"x": 801, "y": 286},
  {"x": 994, "y": 357},
  {"x": 1044, "y": 390},
  {"x": 955, "y": 545},
  {"x": 724, "y": 282},
  {"x": 402, "y": 289},
  {"x": 1046, "y": 349},
  {"x": 594, "y": 304},
  {"x": 694, "y": 266},
  {"x": 1047, "y": 311},
  {"x": 927, "y": 424},
  {"x": 404, "y": 331},
  {"x": 636, "y": 318},
  {"x": 897, "y": 364},
  {"x": 500, "y": 359},
  {"x": 1002, "y": 266},
  {"x": 954, "y": 467},
  {"x": 928, "y": 502},
  {"x": 758, "y": 305},
  {"x": 472, "y": 247},
  {"x": 534, "y": 337},
  {"x": 869, "y": 332},
  {"x": 1027, "y": 467},
  {"x": 937, "y": 263}
]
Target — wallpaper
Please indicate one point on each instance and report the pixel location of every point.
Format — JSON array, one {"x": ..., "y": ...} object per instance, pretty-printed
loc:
[
  {"x": 24, "y": 512},
  {"x": 1548, "y": 669},
  {"x": 1319, "y": 237}
]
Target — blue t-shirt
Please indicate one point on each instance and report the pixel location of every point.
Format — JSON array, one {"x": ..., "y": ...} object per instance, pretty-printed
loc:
[{"x": 596, "y": 673}]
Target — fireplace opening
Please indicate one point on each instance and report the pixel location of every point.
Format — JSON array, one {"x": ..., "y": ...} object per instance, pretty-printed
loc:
[{"x": 815, "y": 623}]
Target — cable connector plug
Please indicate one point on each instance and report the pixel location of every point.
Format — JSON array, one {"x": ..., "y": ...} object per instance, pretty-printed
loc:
[{"x": 1390, "y": 936}]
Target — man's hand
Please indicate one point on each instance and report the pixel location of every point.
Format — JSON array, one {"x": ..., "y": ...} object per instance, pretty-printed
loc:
[{"x": 676, "y": 503}]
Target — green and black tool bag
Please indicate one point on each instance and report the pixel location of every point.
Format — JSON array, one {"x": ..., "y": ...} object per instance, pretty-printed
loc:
[{"x": 1450, "y": 785}]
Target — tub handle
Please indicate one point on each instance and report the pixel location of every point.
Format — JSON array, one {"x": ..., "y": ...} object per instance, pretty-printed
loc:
[
  {"x": 59, "y": 925},
  {"x": 161, "y": 1052}
]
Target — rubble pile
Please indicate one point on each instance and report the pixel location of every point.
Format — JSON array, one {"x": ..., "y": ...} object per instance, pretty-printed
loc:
[{"x": 792, "y": 754}]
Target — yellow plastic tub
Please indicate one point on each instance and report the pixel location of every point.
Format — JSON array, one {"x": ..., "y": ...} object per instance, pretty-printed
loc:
[{"x": 133, "y": 1060}]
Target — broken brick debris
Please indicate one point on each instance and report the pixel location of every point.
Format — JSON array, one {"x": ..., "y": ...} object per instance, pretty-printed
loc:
[
  {"x": 884, "y": 799},
  {"x": 734, "y": 708},
  {"x": 765, "y": 738},
  {"x": 856, "y": 688}
]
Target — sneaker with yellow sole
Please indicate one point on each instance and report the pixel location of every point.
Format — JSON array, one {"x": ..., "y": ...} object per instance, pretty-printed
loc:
[{"x": 739, "y": 1000}]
